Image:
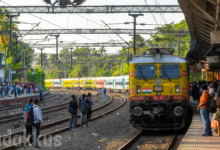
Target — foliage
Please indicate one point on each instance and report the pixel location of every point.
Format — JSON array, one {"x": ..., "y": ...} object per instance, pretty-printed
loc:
[
  {"x": 104, "y": 72},
  {"x": 38, "y": 76}
]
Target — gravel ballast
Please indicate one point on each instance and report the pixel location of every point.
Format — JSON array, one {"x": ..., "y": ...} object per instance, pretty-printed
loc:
[{"x": 113, "y": 131}]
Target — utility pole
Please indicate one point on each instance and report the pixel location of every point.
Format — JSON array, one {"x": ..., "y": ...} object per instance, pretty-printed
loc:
[
  {"x": 128, "y": 56},
  {"x": 71, "y": 58},
  {"x": 121, "y": 68},
  {"x": 10, "y": 18},
  {"x": 135, "y": 17},
  {"x": 178, "y": 46},
  {"x": 16, "y": 43},
  {"x": 57, "y": 36},
  {"x": 41, "y": 57}
]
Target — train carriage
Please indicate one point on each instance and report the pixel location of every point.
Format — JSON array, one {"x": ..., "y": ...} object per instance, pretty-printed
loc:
[
  {"x": 100, "y": 83},
  {"x": 57, "y": 83},
  {"x": 110, "y": 84},
  {"x": 159, "y": 91},
  {"x": 76, "y": 83},
  {"x": 68, "y": 83},
  {"x": 119, "y": 84},
  {"x": 49, "y": 83}
]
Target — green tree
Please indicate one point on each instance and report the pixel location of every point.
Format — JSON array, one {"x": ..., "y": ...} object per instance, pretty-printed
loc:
[{"x": 44, "y": 59}]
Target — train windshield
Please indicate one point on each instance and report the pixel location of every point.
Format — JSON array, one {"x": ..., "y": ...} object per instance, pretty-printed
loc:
[
  {"x": 170, "y": 71},
  {"x": 146, "y": 72}
]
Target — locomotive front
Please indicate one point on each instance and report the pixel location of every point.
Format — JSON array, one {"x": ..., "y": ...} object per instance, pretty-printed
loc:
[{"x": 159, "y": 93}]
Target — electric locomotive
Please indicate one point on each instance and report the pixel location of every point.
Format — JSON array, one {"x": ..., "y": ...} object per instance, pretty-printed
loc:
[{"x": 159, "y": 91}]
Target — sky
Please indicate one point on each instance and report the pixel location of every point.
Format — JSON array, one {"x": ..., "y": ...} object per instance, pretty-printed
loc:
[{"x": 73, "y": 21}]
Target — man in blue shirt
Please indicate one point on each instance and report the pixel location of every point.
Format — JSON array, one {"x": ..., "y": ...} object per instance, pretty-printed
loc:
[
  {"x": 41, "y": 97},
  {"x": 9, "y": 89}
]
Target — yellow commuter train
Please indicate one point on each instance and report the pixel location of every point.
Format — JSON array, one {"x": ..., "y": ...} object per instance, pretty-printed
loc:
[{"x": 159, "y": 91}]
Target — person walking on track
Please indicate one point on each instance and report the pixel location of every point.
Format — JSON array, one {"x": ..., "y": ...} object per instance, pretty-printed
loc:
[
  {"x": 127, "y": 91},
  {"x": 38, "y": 123},
  {"x": 27, "y": 126},
  {"x": 105, "y": 91},
  {"x": 203, "y": 104},
  {"x": 73, "y": 107},
  {"x": 41, "y": 97},
  {"x": 89, "y": 113},
  {"x": 83, "y": 107}
]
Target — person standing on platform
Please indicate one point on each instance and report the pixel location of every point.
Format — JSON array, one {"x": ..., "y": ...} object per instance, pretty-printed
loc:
[
  {"x": 41, "y": 97},
  {"x": 36, "y": 89},
  {"x": 38, "y": 123},
  {"x": 28, "y": 127},
  {"x": 25, "y": 89},
  {"x": 194, "y": 91},
  {"x": 18, "y": 89},
  {"x": 105, "y": 91},
  {"x": 212, "y": 91},
  {"x": 216, "y": 116},
  {"x": 1, "y": 88},
  {"x": 73, "y": 118},
  {"x": 9, "y": 90},
  {"x": 15, "y": 90},
  {"x": 31, "y": 89},
  {"x": 204, "y": 100},
  {"x": 89, "y": 113}
]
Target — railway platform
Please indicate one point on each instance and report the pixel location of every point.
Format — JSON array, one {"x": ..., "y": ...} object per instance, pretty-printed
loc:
[
  {"x": 193, "y": 139},
  {"x": 22, "y": 98}
]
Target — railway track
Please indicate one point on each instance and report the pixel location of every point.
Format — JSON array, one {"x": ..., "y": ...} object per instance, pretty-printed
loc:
[
  {"x": 139, "y": 138},
  {"x": 61, "y": 121},
  {"x": 3, "y": 108},
  {"x": 45, "y": 110}
]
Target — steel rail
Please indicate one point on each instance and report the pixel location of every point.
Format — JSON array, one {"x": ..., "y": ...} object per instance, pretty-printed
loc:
[
  {"x": 3, "y": 108},
  {"x": 18, "y": 116},
  {"x": 126, "y": 145},
  {"x": 171, "y": 141},
  {"x": 132, "y": 140}
]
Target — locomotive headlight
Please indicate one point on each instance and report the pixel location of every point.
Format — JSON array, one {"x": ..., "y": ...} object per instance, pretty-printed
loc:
[
  {"x": 178, "y": 110},
  {"x": 137, "y": 111},
  {"x": 177, "y": 88}
]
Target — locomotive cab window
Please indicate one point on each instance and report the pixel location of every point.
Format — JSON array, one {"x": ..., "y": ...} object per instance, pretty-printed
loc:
[
  {"x": 170, "y": 71},
  {"x": 145, "y": 71}
]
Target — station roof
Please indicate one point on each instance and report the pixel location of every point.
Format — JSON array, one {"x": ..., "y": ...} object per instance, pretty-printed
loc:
[{"x": 201, "y": 17}]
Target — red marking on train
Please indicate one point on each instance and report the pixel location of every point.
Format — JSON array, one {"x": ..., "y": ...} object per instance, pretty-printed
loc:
[
  {"x": 131, "y": 73},
  {"x": 184, "y": 90},
  {"x": 158, "y": 98},
  {"x": 131, "y": 91},
  {"x": 184, "y": 73}
]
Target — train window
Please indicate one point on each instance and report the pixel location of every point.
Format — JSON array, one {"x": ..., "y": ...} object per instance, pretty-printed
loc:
[
  {"x": 118, "y": 83},
  {"x": 146, "y": 72},
  {"x": 170, "y": 71},
  {"x": 126, "y": 83}
]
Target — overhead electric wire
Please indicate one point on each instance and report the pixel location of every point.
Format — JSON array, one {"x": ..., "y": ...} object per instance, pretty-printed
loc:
[
  {"x": 26, "y": 33},
  {"x": 162, "y": 15},
  {"x": 50, "y": 22},
  {"x": 116, "y": 34},
  {"x": 152, "y": 14}
]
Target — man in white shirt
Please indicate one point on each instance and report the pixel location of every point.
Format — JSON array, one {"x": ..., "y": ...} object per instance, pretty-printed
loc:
[{"x": 37, "y": 121}]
